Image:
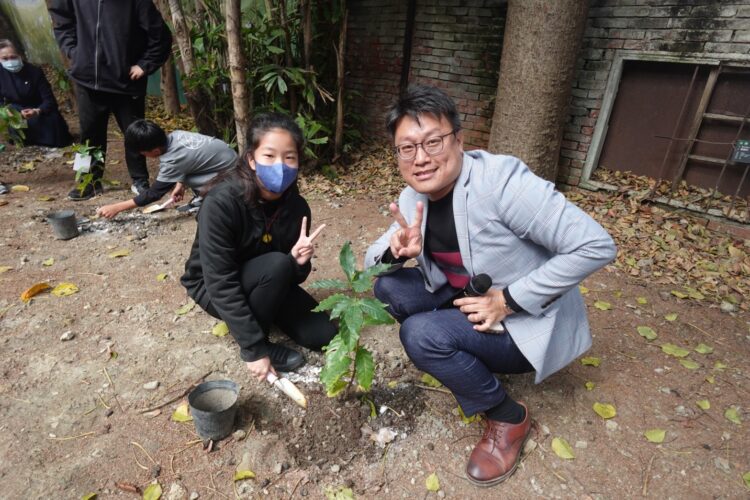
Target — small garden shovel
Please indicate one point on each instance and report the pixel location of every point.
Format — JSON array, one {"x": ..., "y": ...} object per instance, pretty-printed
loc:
[{"x": 287, "y": 387}]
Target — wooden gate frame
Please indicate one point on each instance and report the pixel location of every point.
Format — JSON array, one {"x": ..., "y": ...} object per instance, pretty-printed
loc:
[{"x": 613, "y": 85}]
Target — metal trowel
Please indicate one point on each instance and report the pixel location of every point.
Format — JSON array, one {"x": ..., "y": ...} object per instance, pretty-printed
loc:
[{"x": 156, "y": 207}]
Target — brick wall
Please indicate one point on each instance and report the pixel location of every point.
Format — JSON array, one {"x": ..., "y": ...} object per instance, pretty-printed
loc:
[
  {"x": 456, "y": 47},
  {"x": 677, "y": 27},
  {"x": 374, "y": 56}
]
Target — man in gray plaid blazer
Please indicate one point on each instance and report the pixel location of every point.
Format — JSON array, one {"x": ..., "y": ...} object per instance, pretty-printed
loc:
[{"x": 462, "y": 215}]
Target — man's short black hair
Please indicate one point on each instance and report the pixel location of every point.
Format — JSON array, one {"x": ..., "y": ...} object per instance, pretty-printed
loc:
[
  {"x": 422, "y": 100},
  {"x": 145, "y": 135}
]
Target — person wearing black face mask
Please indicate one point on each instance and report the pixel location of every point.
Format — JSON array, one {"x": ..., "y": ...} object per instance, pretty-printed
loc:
[
  {"x": 253, "y": 247},
  {"x": 24, "y": 87}
]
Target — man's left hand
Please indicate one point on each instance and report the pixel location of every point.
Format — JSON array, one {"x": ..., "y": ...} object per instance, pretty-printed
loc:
[
  {"x": 136, "y": 72},
  {"x": 485, "y": 310},
  {"x": 30, "y": 113}
]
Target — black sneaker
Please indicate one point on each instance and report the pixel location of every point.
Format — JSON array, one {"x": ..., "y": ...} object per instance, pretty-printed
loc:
[
  {"x": 283, "y": 358},
  {"x": 91, "y": 189},
  {"x": 139, "y": 187}
]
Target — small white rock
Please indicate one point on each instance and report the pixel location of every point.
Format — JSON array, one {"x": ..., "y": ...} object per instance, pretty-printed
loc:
[
  {"x": 69, "y": 335},
  {"x": 277, "y": 468},
  {"x": 194, "y": 495},
  {"x": 545, "y": 430},
  {"x": 582, "y": 445},
  {"x": 239, "y": 435},
  {"x": 150, "y": 386},
  {"x": 727, "y": 307},
  {"x": 611, "y": 425},
  {"x": 335, "y": 468}
]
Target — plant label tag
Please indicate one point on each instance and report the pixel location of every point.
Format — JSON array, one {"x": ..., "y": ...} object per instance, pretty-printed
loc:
[{"x": 82, "y": 163}]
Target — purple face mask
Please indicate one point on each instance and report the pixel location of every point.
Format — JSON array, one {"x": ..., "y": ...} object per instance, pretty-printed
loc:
[{"x": 277, "y": 177}]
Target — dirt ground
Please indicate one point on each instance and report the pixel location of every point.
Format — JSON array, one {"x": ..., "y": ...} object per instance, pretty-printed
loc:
[{"x": 72, "y": 412}]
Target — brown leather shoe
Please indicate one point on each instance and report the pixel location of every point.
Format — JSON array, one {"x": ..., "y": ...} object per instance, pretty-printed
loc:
[{"x": 496, "y": 455}]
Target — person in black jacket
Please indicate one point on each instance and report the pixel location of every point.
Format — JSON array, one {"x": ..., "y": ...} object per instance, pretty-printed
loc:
[
  {"x": 24, "y": 87},
  {"x": 252, "y": 251},
  {"x": 112, "y": 47}
]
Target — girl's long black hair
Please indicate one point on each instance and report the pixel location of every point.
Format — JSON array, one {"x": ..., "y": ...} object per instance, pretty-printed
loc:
[{"x": 242, "y": 173}]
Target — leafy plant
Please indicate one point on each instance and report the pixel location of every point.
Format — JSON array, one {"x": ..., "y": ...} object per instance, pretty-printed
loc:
[
  {"x": 346, "y": 359},
  {"x": 12, "y": 125},
  {"x": 83, "y": 179}
]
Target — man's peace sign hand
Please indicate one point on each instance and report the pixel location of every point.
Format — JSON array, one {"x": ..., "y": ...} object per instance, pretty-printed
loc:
[
  {"x": 303, "y": 250},
  {"x": 407, "y": 240}
]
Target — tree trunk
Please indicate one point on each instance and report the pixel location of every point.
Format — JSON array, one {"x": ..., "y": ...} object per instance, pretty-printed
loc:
[
  {"x": 194, "y": 98},
  {"x": 540, "y": 48},
  {"x": 307, "y": 32},
  {"x": 237, "y": 72},
  {"x": 338, "y": 141},
  {"x": 169, "y": 91}
]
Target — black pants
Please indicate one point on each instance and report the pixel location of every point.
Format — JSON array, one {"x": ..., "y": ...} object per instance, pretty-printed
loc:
[
  {"x": 275, "y": 299},
  {"x": 94, "y": 108}
]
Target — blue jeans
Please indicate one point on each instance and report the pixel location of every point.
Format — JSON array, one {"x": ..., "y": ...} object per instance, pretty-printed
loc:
[{"x": 443, "y": 343}]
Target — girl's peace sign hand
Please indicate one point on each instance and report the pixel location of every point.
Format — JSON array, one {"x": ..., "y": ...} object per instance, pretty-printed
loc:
[
  {"x": 407, "y": 240},
  {"x": 303, "y": 250}
]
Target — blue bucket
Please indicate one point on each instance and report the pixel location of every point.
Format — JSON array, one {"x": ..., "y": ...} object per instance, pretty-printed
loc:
[{"x": 213, "y": 406}]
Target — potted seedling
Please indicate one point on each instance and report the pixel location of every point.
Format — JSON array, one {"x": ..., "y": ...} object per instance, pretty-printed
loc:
[
  {"x": 85, "y": 157},
  {"x": 11, "y": 126}
]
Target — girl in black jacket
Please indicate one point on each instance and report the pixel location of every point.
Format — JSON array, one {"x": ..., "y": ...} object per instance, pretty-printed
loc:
[{"x": 252, "y": 250}]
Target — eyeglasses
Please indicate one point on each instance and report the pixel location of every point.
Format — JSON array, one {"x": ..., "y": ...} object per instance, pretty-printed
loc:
[{"x": 432, "y": 146}]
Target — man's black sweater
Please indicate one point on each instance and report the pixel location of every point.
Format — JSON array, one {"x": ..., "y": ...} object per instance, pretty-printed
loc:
[{"x": 229, "y": 234}]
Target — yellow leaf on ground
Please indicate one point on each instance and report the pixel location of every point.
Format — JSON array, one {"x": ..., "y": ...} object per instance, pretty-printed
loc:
[
  {"x": 641, "y": 300},
  {"x": 90, "y": 496},
  {"x": 671, "y": 316},
  {"x": 467, "y": 420},
  {"x": 719, "y": 365},
  {"x": 161, "y": 277},
  {"x": 655, "y": 435},
  {"x": 583, "y": 289},
  {"x": 244, "y": 474},
  {"x": 432, "y": 483},
  {"x": 29, "y": 167},
  {"x": 34, "y": 290},
  {"x": 123, "y": 252},
  {"x": 704, "y": 349},
  {"x": 679, "y": 294},
  {"x": 182, "y": 413},
  {"x": 591, "y": 361},
  {"x": 48, "y": 262},
  {"x": 392, "y": 384},
  {"x": 746, "y": 478},
  {"x": 562, "y": 449},
  {"x": 430, "y": 381},
  {"x": 220, "y": 329},
  {"x": 152, "y": 492},
  {"x": 605, "y": 410},
  {"x": 602, "y": 305},
  {"x": 4, "y": 269},
  {"x": 703, "y": 404},
  {"x": 647, "y": 332},
  {"x": 733, "y": 415},
  {"x": 674, "y": 350},
  {"x": 45, "y": 197},
  {"x": 590, "y": 386},
  {"x": 185, "y": 309},
  {"x": 20, "y": 188},
  {"x": 689, "y": 364},
  {"x": 710, "y": 379},
  {"x": 64, "y": 289}
]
